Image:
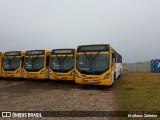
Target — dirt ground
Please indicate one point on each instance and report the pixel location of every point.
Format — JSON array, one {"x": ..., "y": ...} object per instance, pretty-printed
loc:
[{"x": 46, "y": 95}]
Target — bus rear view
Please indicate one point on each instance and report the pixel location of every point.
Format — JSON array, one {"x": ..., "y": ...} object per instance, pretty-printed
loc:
[
  {"x": 12, "y": 64},
  {"x": 36, "y": 64},
  {"x": 96, "y": 64},
  {"x": 62, "y": 64}
]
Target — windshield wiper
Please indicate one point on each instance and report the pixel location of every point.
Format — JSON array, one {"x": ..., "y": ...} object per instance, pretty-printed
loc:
[
  {"x": 14, "y": 61},
  {"x": 88, "y": 58},
  {"x": 59, "y": 60},
  {"x": 33, "y": 61},
  {"x": 64, "y": 59},
  {"x": 9, "y": 61},
  {"x": 96, "y": 56},
  {"x": 91, "y": 60}
]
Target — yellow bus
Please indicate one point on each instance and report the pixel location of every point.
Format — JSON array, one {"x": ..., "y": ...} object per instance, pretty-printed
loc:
[
  {"x": 36, "y": 64},
  {"x": 12, "y": 64},
  {"x": 0, "y": 64},
  {"x": 97, "y": 64},
  {"x": 62, "y": 63}
]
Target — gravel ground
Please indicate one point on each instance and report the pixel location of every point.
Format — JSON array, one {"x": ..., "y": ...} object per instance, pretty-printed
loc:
[{"x": 45, "y": 95}]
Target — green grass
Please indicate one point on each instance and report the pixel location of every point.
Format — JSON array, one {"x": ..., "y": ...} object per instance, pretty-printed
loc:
[{"x": 139, "y": 91}]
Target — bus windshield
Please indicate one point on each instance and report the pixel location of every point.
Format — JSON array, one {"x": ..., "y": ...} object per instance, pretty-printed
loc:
[
  {"x": 11, "y": 63},
  {"x": 92, "y": 63},
  {"x": 62, "y": 63},
  {"x": 33, "y": 63}
]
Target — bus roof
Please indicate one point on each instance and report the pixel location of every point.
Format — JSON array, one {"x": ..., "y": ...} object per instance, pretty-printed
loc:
[{"x": 93, "y": 47}]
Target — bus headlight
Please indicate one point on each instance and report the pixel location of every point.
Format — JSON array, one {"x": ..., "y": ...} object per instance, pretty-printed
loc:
[
  {"x": 107, "y": 76},
  {"x": 18, "y": 71},
  {"x": 72, "y": 74},
  {"x": 42, "y": 72}
]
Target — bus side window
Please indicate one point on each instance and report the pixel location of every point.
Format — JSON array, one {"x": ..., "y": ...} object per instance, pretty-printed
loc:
[
  {"x": 47, "y": 61},
  {"x": 113, "y": 59}
]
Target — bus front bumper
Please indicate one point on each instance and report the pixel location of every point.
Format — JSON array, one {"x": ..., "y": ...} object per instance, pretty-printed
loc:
[
  {"x": 93, "y": 81},
  {"x": 61, "y": 77}
]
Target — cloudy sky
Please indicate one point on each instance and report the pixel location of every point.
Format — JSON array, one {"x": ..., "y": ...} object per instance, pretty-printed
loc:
[{"x": 132, "y": 27}]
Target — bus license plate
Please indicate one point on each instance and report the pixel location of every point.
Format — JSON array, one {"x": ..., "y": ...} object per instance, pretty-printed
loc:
[
  {"x": 60, "y": 77},
  {"x": 90, "y": 80}
]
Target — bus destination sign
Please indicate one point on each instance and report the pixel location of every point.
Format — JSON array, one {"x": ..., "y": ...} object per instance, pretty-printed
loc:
[
  {"x": 35, "y": 52},
  {"x": 14, "y": 53},
  {"x": 63, "y": 51},
  {"x": 93, "y": 48}
]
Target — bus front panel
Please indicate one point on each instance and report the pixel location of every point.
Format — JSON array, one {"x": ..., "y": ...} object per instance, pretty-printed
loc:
[
  {"x": 12, "y": 65},
  {"x": 62, "y": 66},
  {"x": 93, "y": 65},
  {"x": 35, "y": 67},
  {"x": 36, "y": 64}
]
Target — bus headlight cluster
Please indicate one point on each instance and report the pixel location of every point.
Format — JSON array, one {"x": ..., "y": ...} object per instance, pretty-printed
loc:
[
  {"x": 72, "y": 74},
  {"x": 107, "y": 76},
  {"x": 18, "y": 71},
  {"x": 42, "y": 72}
]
